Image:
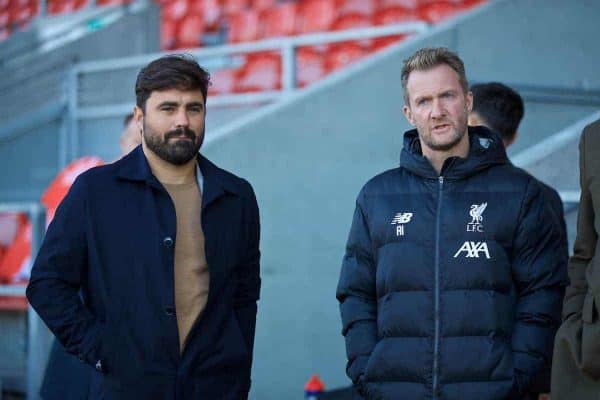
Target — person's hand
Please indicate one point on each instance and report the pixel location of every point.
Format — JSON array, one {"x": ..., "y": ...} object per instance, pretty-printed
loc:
[{"x": 544, "y": 396}]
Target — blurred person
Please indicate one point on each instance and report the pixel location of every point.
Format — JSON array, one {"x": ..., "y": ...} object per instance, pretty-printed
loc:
[
  {"x": 131, "y": 136},
  {"x": 576, "y": 367},
  {"x": 501, "y": 109},
  {"x": 164, "y": 246},
  {"x": 66, "y": 377},
  {"x": 452, "y": 279}
]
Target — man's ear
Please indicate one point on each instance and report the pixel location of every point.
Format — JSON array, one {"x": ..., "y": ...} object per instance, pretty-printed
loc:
[
  {"x": 138, "y": 116},
  {"x": 408, "y": 114}
]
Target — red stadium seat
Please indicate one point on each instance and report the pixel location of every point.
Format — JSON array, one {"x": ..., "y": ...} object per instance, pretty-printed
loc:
[
  {"x": 223, "y": 81},
  {"x": 59, "y": 187},
  {"x": 466, "y": 4},
  {"x": 16, "y": 261},
  {"x": 408, "y": 4},
  {"x": 362, "y": 7},
  {"x": 260, "y": 5},
  {"x": 4, "y": 5},
  {"x": 243, "y": 26},
  {"x": 351, "y": 21},
  {"x": 316, "y": 16},
  {"x": 4, "y": 18},
  {"x": 394, "y": 15},
  {"x": 79, "y": 4},
  {"x": 111, "y": 2},
  {"x": 189, "y": 31},
  {"x": 261, "y": 72},
  {"x": 383, "y": 42},
  {"x": 168, "y": 34},
  {"x": 310, "y": 66},
  {"x": 279, "y": 20},
  {"x": 175, "y": 9},
  {"x": 209, "y": 9},
  {"x": 438, "y": 11},
  {"x": 233, "y": 6},
  {"x": 9, "y": 226},
  {"x": 61, "y": 6},
  {"x": 340, "y": 55}
]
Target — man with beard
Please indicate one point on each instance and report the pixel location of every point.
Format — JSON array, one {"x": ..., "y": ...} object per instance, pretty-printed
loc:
[
  {"x": 164, "y": 246},
  {"x": 452, "y": 281}
]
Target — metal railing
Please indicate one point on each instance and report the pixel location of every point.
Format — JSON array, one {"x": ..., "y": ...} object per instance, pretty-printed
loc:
[{"x": 38, "y": 336}]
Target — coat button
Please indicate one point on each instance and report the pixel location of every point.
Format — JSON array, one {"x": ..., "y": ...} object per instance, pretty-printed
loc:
[
  {"x": 168, "y": 241},
  {"x": 170, "y": 311}
]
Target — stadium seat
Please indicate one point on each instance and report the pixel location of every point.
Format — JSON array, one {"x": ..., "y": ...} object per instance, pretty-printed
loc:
[
  {"x": 233, "y": 6},
  {"x": 260, "y": 5},
  {"x": 58, "y": 188},
  {"x": 189, "y": 31},
  {"x": 437, "y": 11},
  {"x": 351, "y": 21},
  {"x": 279, "y": 20},
  {"x": 261, "y": 72},
  {"x": 243, "y": 26},
  {"x": 210, "y": 10},
  {"x": 383, "y": 42},
  {"x": 15, "y": 264},
  {"x": 466, "y": 4},
  {"x": 4, "y": 18},
  {"x": 362, "y": 7},
  {"x": 112, "y": 2},
  {"x": 316, "y": 16},
  {"x": 340, "y": 55},
  {"x": 223, "y": 81},
  {"x": 175, "y": 9},
  {"x": 407, "y": 4},
  {"x": 168, "y": 34},
  {"x": 9, "y": 225},
  {"x": 394, "y": 15},
  {"x": 310, "y": 66},
  {"x": 61, "y": 6}
]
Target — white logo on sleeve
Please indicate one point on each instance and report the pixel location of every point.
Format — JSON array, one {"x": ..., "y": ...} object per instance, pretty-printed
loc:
[
  {"x": 399, "y": 220},
  {"x": 476, "y": 213},
  {"x": 472, "y": 250}
]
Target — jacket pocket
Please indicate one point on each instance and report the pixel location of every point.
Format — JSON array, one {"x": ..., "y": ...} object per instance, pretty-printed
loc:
[{"x": 590, "y": 338}]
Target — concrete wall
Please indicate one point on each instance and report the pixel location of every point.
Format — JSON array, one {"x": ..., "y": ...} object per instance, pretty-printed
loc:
[{"x": 308, "y": 157}]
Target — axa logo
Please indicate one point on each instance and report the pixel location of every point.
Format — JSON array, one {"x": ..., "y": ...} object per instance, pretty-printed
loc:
[
  {"x": 473, "y": 250},
  {"x": 399, "y": 220},
  {"x": 476, "y": 213}
]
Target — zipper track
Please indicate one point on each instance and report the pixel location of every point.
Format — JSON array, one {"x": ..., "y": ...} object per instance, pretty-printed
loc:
[{"x": 436, "y": 301}]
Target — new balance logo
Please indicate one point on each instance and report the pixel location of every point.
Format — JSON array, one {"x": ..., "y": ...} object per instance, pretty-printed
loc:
[
  {"x": 400, "y": 219},
  {"x": 472, "y": 250}
]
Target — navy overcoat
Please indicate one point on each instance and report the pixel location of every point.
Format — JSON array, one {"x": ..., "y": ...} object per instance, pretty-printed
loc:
[{"x": 114, "y": 238}]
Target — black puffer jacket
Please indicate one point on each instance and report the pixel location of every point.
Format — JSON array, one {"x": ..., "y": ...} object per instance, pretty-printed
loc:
[{"x": 451, "y": 285}]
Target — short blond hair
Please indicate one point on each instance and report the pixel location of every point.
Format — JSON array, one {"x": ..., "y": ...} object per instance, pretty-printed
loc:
[{"x": 430, "y": 57}]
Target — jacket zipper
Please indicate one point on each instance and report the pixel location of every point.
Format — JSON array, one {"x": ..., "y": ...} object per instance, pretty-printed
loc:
[{"x": 436, "y": 300}]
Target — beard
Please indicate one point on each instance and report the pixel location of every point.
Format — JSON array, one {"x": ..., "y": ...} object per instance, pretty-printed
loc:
[{"x": 176, "y": 152}]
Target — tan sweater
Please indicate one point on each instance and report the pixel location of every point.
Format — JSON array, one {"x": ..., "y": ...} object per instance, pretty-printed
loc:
[{"x": 191, "y": 269}]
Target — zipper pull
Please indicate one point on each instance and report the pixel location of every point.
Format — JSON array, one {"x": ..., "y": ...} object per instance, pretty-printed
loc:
[{"x": 441, "y": 179}]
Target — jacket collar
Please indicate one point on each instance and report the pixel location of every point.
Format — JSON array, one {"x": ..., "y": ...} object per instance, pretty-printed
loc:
[
  {"x": 486, "y": 149},
  {"x": 134, "y": 167}
]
